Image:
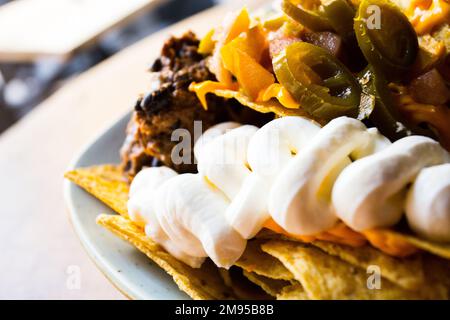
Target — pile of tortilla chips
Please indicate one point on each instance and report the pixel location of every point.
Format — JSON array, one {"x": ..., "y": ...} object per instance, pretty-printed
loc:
[{"x": 276, "y": 267}]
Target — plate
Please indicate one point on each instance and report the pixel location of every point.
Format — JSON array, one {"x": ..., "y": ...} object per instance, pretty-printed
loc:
[{"x": 130, "y": 271}]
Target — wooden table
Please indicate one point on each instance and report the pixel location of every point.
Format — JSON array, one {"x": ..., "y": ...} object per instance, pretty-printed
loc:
[{"x": 37, "y": 244}]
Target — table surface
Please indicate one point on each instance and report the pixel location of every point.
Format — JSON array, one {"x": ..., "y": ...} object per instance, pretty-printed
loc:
[{"x": 39, "y": 250}]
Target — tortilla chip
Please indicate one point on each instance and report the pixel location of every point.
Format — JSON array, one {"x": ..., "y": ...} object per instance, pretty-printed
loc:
[
  {"x": 294, "y": 291},
  {"x": 204, "y": 283},
  {"x": 104, "y": 182},
  {"x": 272, "y": 287},
  {"x": 324, "y": 276},
  {"x": 437, "y": 272},
  {"x": 410, "y": 273},
  {"x": 405, "y": 272},
  {"x": 263, "y": 107},
  {"x": 256, "y": 261},
  {"x": 241, "y": 286}
]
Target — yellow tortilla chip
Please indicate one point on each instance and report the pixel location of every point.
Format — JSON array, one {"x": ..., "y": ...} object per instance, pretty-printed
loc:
[
  {"x": 106, "y": 183},
  {"x": 263, "y": 107},
  {"x": 294, "y": 291},
  {"x": 272, "y": 287},
  {"x": 241, "y": 286},
  {"x": 405, "y": 272},
  {"x": 420, "y": 271},
  {"x": 203, "y": 283},
  {"x": 437, "y": 272},
  {"x": 324, "y": 276},
  {"x": 256, "y": 261}
]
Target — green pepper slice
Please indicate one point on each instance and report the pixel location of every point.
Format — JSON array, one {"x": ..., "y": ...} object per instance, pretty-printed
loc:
[
  {"x": 327, "y": 15},
  {"x": 308, "y": 14},
  {"x": 340, "y": 15},
  {"x": 384, "y": 115},
  {"x": 322, "y": 85},
  {"x": 386, "y": 37}
]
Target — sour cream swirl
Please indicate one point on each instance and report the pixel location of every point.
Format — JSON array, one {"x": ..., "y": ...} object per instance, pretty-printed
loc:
[{"x": 303, "y": 176}]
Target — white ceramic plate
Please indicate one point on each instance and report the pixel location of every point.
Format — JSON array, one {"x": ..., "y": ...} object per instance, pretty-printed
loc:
[{"x": 129, "y": 270}]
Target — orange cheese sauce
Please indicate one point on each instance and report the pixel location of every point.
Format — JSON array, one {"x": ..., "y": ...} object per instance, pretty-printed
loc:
[
  {"x": 342, "y": 234},
  {"x": 437, "y": 116},
  {"x": 277, "y": 91},
  {"x": 389, "y": 244},
  {"x": 424, "y": 15},
  {"x": 203, "y": 88}
]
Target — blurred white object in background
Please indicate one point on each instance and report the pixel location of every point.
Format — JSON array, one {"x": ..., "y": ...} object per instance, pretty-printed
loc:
[
  {"x": 27, "y": 86},
  {"x": 31, "y": 28},
  {"x": 2, "y": 81},
  {"x": 16, "y": 92}
]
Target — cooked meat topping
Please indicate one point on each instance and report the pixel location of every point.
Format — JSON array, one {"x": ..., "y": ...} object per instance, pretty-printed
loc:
[
  {"x": 172, "y": 106},
  {"x": 327, "y": 40},
  {"x": 430, "y": 88},
  {"x": 279, "y": 40}
]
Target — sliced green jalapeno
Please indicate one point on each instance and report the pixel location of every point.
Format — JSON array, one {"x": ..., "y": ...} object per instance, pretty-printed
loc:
[
  {"x": 322, "y": 85},
  {"x": 340, "y": 14},
  {"x": 386, "y": 37},
  {"x": 384, "y": 115},
  {"x": 329, "y": 15},
  {"x": 309, "y": 16}
]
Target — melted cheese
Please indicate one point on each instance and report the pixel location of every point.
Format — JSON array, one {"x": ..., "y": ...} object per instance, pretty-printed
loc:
[
  {"x": 389, "y": 243},
  {"x": 277, "y": 91},
  {"x": 424, "y": 15},
  {"x": 416, "y": 113},
  {"x": 338, "y": 234},
  {"x": 342, "y": 234},
  {"x": 203, "y": 88}
]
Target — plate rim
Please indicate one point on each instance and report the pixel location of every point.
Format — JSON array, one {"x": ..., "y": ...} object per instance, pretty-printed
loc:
[
  {"x": 92, "y": 253},
  {"x": 130, "y": 289}
]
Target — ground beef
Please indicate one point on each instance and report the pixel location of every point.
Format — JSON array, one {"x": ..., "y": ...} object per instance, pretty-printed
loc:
[{"x": 171, "y": 105}]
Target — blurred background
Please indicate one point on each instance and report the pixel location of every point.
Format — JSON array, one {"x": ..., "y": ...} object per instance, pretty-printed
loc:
[{"x": 27, "y": 79}]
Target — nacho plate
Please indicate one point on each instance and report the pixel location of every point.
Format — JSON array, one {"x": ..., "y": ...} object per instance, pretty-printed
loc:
[{"x": 282, "y": 268}]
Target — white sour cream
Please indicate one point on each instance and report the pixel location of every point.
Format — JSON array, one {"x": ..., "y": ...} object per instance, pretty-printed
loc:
[
  {"x": 428, "y": 203},
  {"x": 304, "y": 177},
  {"x": 370, "y": 193}
]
